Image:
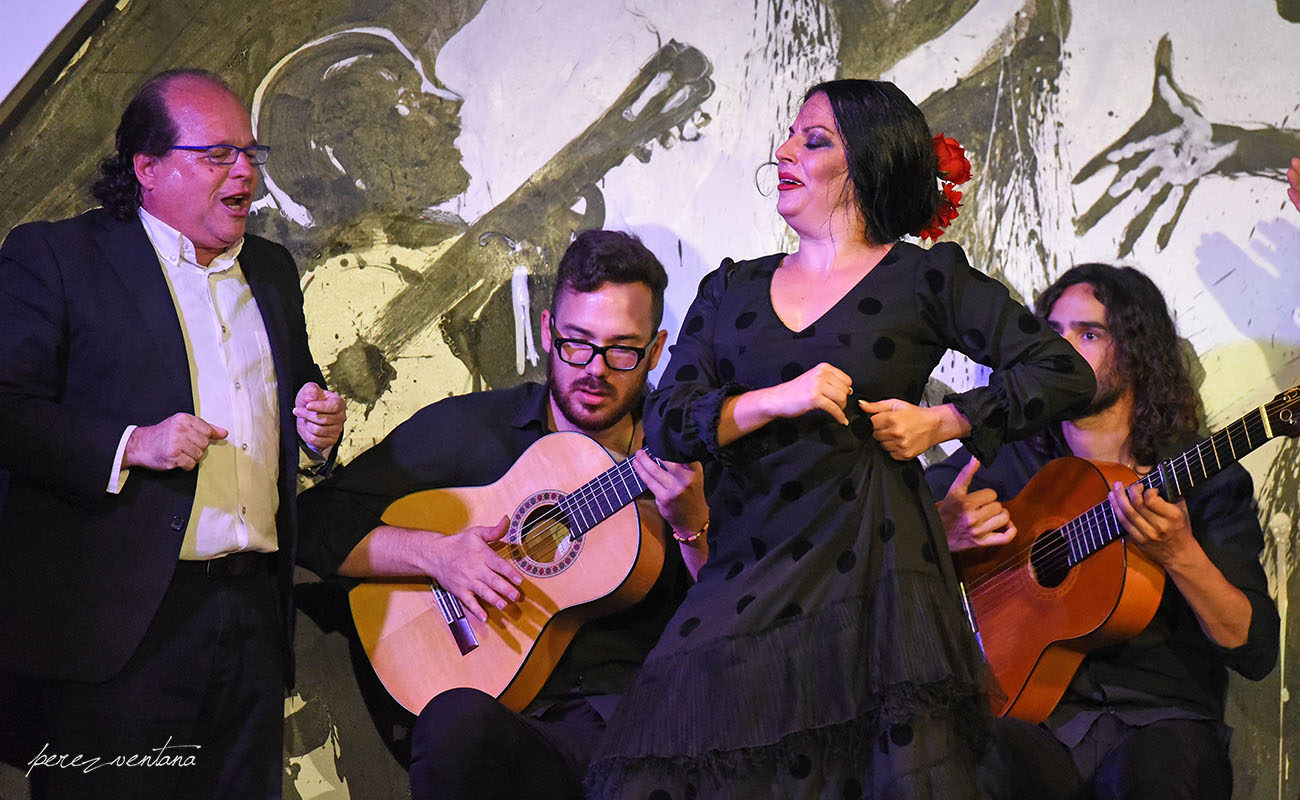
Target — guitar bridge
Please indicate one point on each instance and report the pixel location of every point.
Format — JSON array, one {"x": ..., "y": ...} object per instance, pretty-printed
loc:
[
  {"x": 464, "y": 636},
  {"x": 454, "y": 613}
]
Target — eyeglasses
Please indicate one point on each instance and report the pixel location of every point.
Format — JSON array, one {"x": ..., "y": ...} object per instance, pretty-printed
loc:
[
  {"x": 223, "y": 155},
  {"x": 579, "y": 352}
]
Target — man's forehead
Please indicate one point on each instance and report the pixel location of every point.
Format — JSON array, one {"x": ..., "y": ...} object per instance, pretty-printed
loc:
[
  {"x": 198, "y": 101},
  {"x": 609, "y": 296},
  {"x": 1080, "y": 303}
]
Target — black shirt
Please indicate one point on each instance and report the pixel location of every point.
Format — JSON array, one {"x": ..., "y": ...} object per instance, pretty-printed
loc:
[
  {"x": 1170, "y": 670},
  {"x": 472, "y": 440}
]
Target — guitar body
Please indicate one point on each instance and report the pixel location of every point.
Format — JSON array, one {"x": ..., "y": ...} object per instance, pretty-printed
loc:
[
  {"x": 1037, "y": 624},
  {"x": 566, "y": 581}
]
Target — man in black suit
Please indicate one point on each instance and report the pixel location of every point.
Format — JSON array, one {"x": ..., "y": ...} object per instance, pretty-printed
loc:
[{"x": 157, "y": 395}]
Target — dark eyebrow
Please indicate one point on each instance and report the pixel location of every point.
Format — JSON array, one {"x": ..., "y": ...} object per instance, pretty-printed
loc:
[
  {"x": 1078, "y": 325},
  {"x": 821, "y": 128}
]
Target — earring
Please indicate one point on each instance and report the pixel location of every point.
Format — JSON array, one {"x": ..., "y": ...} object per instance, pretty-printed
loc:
[{"x": 765, "y": 180}]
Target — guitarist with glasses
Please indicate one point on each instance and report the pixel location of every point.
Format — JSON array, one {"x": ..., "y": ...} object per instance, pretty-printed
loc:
[
  {"x": 1144, "y": 717},
  {"x": 602, "y": 332}
]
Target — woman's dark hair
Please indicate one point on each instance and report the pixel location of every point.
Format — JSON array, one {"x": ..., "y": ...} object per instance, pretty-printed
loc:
[
  {"x": 598, "y": 257},
  {"x": 1148, "y": 354},
  {"x": 890, "y": 155},
  {"x": 146, "y": 127}
]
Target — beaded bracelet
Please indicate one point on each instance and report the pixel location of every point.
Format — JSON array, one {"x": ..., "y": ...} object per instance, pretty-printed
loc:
[{"x": 692, "y": 537}]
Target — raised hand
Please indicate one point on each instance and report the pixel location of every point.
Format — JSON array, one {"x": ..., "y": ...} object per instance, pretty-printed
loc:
[
  {"x": 321, "y": 414},
  {"x": 974, "y": 519},
  {"x": 177, "y": 442}
]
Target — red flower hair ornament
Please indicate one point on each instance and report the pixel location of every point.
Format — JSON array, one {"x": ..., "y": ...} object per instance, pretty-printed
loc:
[{"x": 954, "y": 169}]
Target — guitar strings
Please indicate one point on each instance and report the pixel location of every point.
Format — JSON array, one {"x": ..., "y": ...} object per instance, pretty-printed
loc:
[
  {"x": 1086, "y": 522},
  {"x": 992, "y": 584},
  {"x": 554, "y": 524},
  {"x": 1055, "y": 555}
]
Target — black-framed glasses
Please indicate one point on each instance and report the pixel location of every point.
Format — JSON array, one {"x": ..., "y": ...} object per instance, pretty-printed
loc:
[
  {"x": 580, "y": 352},
  {"x": 223, "y": 155}
]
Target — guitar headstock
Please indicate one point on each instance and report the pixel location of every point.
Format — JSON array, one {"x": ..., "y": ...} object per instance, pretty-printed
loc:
[{"x": 1283, "y": 413}]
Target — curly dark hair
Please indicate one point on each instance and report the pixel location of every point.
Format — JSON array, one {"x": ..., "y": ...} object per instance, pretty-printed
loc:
[
  {"x": 598, "y": 256},
  {"x": 890, "y": 155},
  {"x": 1148, "y": 354},
  {"x": 146, "y": 127}
]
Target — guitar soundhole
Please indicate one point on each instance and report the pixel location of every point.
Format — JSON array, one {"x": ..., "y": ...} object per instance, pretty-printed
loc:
[
  {"x": 545, "y": 535},
  {"x": 1049, "y": 556}
]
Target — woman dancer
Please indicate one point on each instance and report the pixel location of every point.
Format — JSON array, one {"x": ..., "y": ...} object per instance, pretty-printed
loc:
[{"x": 824, "y": 652}]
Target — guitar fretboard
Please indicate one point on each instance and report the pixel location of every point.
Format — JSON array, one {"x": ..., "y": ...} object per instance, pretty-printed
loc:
[
  {"x": 1098, "y": 526},
  {"x": 597, "y": 499}
]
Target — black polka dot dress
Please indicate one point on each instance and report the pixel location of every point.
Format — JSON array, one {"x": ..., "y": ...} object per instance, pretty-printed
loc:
[{"x": 823, "y": 652}]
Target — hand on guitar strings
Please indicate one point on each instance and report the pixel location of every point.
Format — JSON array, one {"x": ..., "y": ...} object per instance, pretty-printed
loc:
[
  {"x": 467, "y": 565},
  {"x": 678, "y": 490},
  {"x": 974, "y": 519},
  {"x": 1161, "y": 529}
]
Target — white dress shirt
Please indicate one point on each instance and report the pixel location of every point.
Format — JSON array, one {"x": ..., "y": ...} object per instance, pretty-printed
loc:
[{"x": 234, "y": 383}]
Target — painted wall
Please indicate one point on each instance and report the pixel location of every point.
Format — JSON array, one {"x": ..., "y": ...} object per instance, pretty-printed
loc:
[
  {"x": 432, "y": 158},
  {"x": 28, "y": 28}
]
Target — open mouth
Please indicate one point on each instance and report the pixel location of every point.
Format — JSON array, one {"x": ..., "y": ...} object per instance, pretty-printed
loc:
[
  {"x": 787, "y": 182},
  {"x": 236, "y": 202}
]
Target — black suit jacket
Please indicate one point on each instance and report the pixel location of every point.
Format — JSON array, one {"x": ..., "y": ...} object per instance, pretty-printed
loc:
[{"x": 89, "y": 343}]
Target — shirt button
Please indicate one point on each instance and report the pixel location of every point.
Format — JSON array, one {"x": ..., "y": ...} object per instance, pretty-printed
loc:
[
  {"x": 244, "y": 447},
  {"x": 236, "y": 384},
  {"x": 243, "y": 510},
  {"x": 178, "y": 522}
]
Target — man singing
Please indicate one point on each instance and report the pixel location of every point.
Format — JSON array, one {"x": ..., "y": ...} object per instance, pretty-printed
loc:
[{"x": 156, "y": 391}]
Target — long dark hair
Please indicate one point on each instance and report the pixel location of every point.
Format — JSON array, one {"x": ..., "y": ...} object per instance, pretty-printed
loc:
[
  {"x": 890, "y": 155},
  {"x": 146, "y": 127},
  {"x": 1148, "y": 354}
]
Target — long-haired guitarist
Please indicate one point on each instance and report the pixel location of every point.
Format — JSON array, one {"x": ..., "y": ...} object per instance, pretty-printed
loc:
[
  {"x": 1143, "y": 718},
  {"x": 602, "y": 332}
]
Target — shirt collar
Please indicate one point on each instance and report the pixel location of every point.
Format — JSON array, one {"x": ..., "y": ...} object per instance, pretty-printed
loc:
[
  {"x": 533, "y": 407},
  {"x": 176, "y": 249}
]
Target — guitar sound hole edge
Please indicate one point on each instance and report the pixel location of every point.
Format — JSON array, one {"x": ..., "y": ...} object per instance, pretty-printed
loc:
[{"x": 1049, "y": 559}]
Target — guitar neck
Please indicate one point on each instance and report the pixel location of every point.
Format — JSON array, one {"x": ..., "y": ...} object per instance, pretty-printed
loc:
[
  {"x": 597, "y": 499},
  {"x": 1174, "y": 477}
]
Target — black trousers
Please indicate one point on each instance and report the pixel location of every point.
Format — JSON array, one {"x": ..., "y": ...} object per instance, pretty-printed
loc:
[
  {"x": 197, "y": 712},
  {"x": 1166, "y": 760},
  {"x": 466, "y": 745}
]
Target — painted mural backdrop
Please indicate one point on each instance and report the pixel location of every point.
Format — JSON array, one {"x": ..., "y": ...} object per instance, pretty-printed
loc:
[{"x": 432, "y": 159}]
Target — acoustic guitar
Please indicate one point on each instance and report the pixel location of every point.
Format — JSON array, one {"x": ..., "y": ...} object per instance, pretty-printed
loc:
[
  {"x": 582, "y": 545},
  {"x": 1070, "y": 581}
]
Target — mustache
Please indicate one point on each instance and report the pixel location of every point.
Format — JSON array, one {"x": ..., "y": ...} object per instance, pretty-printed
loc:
[{"x": 591, "y": 383}]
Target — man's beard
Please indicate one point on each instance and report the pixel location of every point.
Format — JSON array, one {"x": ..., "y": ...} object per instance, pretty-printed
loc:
[
  {"x": 1109, "y": 389},
  {"x": 580, "y": 417}
]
